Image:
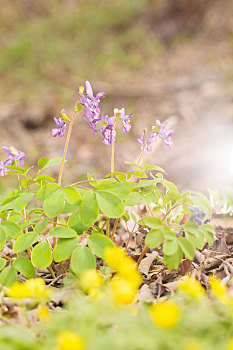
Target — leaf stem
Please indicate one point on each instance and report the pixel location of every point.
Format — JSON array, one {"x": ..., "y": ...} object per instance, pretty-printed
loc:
[{"x": 114, "y": 228}]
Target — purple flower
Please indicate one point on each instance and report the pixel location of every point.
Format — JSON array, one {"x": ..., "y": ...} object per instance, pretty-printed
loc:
[
  {"x": 89, "y": 92},
  {"x": 125, "y": 120},
  {"x": 108, "y": 130},
  {"x": 13, "y": 155},
  {"x": 92, "y": 112},
  {"x": 146, "y": 142},
  {"x": 61, "y": 126},
  {"x": 197, "y": 214},
  {"x": 2, "y": 168},
  {"x": 164, "y": 133}
]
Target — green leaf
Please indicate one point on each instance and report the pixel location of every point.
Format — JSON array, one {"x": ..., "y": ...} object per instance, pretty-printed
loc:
[
  {"x": 187, "y": 247},
  {"x": 201, "y": 203},
  {"x": 46, "y": 191},
  {"x": 170, "y": 247},
  {"x": 154, "y": 238},
  {"x": 76, "y": 224},
  {"x": 208, "y": 232},
  {"x": 89, "y": 208},
  {"x": 152, "y": 222},
  {"x": 62, "y": 232},
  {"x": 119, "y": 175},
  {"x": 52, "y": 162},
  {"x": 170, "y": 186},
  {"x": 42, "y": 255},
  {"x": 15, "y": 169},
  {"x": 11, "y": 229},
  {"x": 40, "y": 178},
  {"x": 97, "y": 243},
  {"x": 24, "y": 241},
  {"x": 126, "y": 217},
  {"x": 173, "y": 261},
  {"x": 71, "y": 195},
  {"x": 134, "y": 164},
  {"x": 145, "y": 183},
  {"x": 168, "y": 233},
  {"x": 70, "y": 208},
  {"x": 82, "y": 259},
  {"x": 153, "y": 167},
  {"x": 22, "y": 201},
  {"x": 24, "y": 266},
  {"x": 133, "y": 198},
  {"x": 8, "y": 276},
  {"x": 2, "y": 263},
  {"x": 111, "y": 185},
  {"x": 64, "y": 248},
  {"x": 110, "y": 204},
  {"x": 54, "y": 204},
  {"x": 191, "y": 226},
  {"x": 2, "y": 238},
  {"x": 41, "y": 226},
  {"x": 42, "y": 162},
  {"x": 11, "y": 196}
]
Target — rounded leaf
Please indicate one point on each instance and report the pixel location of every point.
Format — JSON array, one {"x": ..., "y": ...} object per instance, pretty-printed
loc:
[
  {"x": 72, "y": 196},
  {"x": 97, "y": 243},
  {"x": 64, "y": 248},
  {"x": 76, "y": 224},
  {"x": 2, "y": 238},
  {"x": 46, "y": 190},
  {"x": 89, "y": 208},
  {"x": 24, "y": 266},
  {"x": 187, "y": 247},
  {"x": 170, "y": 247},
  {"x": 8, "y": 276},
  {"x": 24, "y": 241},
  {"x": 154, "y": 238},
  {"x": 54, "y": 204},
  {"x": 152, "y": 222},
  {"x": 42, "y": 255},
  {"x": 110, "y": 204},
  {"x": 82, "y": 259},
  {"x": 11, "y": 229},
  {"x": 63, "y": 232},
  {"x": 2, "y": 263}
]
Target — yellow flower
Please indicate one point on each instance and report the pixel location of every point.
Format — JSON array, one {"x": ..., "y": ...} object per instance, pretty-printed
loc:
[
  {"x": 219, "y": 289},
  {"x": 68, "y": 340},
  {"x": 33, "y": 288},
  {"x": 194, "y": 345},
  {"x": 230, "y": 345},
  {"x": 114, "y": 257},
  {"x": 90, "y": 280},
  {"x": 123, "y": 291},
  {"x": 192, "y": 287},
  {"x": 165, "y": 314},
  {"x": 81, "y": 89},
  {"x": 43, "y": 312}
]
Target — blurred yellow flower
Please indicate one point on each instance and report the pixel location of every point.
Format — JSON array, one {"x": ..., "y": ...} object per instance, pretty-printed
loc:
[
  {"x": 33, "y": 288},
  {"x": 90, "y": 280},
  {"x": 194, "y": 345},
  {"x": 123, "y": 291},
  {"x": 43, "y": 312},
  {"x": 114, "y": 257},
  {"x": 219, "y": 289},
  {"x": 230, "y": 345},
  {"x": 165, "y": 314},
  {"x": 68, "y": 340},
  {"x": 192, "y": 287}
]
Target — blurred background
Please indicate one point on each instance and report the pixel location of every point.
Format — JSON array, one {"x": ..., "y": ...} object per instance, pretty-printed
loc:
[{"x": 161, "y": 59}]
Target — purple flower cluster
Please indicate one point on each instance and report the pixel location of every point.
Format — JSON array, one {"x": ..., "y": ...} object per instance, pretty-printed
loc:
[
  {"x": 197, "y": 214},
  {"x": 91, "y": 105},
  {"x": 14, "y": 156},
  {"x": 92, "y": 115},
  {"x": 158, "y": 130},
  {"x": 108, "y": 130},
  {"x": 61, "y": 126}
]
